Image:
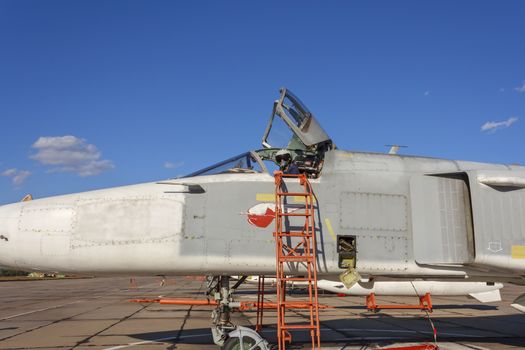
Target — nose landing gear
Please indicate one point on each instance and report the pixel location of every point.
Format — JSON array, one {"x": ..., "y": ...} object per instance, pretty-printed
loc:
[{"x": 225, "y": 333}]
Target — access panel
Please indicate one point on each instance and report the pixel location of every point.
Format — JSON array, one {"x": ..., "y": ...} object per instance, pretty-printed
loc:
[{"x": 441, "y": 220}]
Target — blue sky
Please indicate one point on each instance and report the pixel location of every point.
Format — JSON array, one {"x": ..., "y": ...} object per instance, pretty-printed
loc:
[{"x": 98, "y": 94}]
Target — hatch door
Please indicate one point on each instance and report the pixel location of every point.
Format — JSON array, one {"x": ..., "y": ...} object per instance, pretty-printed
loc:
[{"x": 441, "y": 220}]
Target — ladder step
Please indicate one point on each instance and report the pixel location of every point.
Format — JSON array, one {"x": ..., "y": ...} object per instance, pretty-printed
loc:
[
  {"x": 294, "y": 214},
  {"x": 298, "y": 326},
  {"x": 298, "y": 176},
  {"x": 294, "y": 234},
  {"x": 298, "y": 279},
  {"x": 296, "y": 258},
  {"x": 293, "y": 194},
  {"x": 297, "y": 304}
]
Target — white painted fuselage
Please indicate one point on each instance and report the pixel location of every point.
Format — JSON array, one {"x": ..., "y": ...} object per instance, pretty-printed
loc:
[{"x": 200, "y": 225}]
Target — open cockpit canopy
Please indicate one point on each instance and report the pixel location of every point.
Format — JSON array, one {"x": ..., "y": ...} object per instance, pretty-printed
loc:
[{"x": 292, "y": 126}]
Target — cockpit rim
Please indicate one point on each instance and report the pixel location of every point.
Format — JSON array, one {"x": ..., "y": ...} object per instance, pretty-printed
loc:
[
  {"x": 253, "y": 154},
  {"x": 259, "y": 155}
]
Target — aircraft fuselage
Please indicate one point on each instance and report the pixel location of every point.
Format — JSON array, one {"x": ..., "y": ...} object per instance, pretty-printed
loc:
[{"x": 410, "y": 216}]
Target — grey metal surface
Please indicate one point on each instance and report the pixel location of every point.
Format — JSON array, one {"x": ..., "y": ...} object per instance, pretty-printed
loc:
[
  {"x": 499, "y": 220},
  {"x": 441, "y": 220}
]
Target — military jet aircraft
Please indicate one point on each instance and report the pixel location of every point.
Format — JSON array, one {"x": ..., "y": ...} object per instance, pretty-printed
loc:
[{"x": 382, "y": 214}]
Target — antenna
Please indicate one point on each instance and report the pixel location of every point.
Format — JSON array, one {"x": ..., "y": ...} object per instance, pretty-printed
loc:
[
  {"x": 394, "y": 148},
  {"x": 27, "y": 198}
]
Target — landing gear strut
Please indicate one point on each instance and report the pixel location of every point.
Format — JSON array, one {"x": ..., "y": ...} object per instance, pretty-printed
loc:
[
  {"x": 225, "y": 333},
  {"x": 219, "y": 289}
]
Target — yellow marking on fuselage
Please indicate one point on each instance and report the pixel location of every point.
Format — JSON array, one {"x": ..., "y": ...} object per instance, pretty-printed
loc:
[
  {"x": 270, "y": 197},
  {"x": 518, "y": 252},
  {"x": 265, "y": 197},
  {"x": 299, "y": 199},
  {"x": 330, "y": 229}
]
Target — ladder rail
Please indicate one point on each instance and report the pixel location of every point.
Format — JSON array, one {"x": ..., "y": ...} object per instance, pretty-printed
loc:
[
  {"x": 296, "y": 254},
  {"x": 311, "y": 218},
  {"x": 260, "y": 304}
]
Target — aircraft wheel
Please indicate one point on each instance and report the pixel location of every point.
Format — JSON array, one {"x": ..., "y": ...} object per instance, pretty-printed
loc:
[{"x": 234, "y": 343}]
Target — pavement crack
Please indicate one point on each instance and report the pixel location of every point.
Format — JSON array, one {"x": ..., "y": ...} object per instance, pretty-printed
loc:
[
  {"x": 181, "y": 329},
  {"x": 87, "y": 339},
  {"x": 113, "y": 292},
  {"x": 51, "y": 323}
]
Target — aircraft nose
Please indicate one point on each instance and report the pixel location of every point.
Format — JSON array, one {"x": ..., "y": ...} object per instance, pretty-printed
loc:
[{"x": 8, "y": 225}]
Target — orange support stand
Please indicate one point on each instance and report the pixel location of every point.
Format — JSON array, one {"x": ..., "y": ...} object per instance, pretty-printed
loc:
[
  {"x": 190, "y": 302},
  {"x": 241, "y": 305},
  {"x": 425, "y": 303}
]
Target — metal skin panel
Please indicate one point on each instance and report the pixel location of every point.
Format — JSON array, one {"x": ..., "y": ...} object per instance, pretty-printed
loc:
[
  {"x": 441, "y": 220},
  {"x": 192, "y": 241},
  {"x": 359, "y": 211},
  {"x": 60, "y": 218},
  {"x": 256, "y": 253},
  {"x": 125, "y": 220},
  {"x": 52, "y": 245},
  {"x": 209, "y": 232},
  {"x": 499, "y": 220}
]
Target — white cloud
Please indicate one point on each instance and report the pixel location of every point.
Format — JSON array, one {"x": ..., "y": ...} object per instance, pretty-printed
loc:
[
  {"x": 17, "y": 176},
  {"x": 427, "y": 93},
  {"x": 520, "y": 88},
  {"x": 20, "y": 177},
  {"x": 9, "y": 172},
  {"x": 70, "y": 154},
  {"x": 170, "y": 165},
  {"x": 493, "y": 126}
]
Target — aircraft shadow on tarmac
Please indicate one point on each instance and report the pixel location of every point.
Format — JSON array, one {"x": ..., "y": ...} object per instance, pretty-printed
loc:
[
  {"x": 464, "y": 306},
  {"x": 435, "y": 307},
  {"x": 381, "y": 330}
]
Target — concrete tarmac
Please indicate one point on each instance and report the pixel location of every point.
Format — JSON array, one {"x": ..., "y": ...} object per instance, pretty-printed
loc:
[{"x": 95, "y": 313}]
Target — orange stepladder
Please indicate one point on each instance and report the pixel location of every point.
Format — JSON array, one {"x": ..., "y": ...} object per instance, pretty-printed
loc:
[{"x": 295, "y": 248}]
